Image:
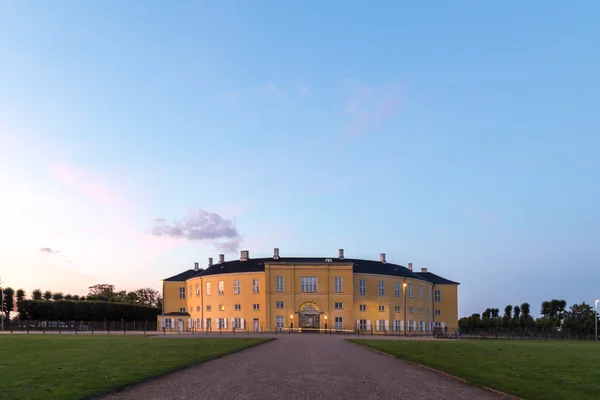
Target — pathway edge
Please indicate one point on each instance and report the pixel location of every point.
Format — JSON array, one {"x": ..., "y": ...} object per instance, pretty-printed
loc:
[{"x": 458, "y": 378}]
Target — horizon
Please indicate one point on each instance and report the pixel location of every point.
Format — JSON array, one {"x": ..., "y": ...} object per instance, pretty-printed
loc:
[{"x": 142, "y": 138}]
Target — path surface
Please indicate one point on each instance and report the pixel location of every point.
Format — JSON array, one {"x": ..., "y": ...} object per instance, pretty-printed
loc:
[{"x": 305, "y": 367}]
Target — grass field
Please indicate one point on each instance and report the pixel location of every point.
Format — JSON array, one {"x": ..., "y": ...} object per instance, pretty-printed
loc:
[
  {"x": 528, "y": 369},
  {"x": 79, "y": 367}
]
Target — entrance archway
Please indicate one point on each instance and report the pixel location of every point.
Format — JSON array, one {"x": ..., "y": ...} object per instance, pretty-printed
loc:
[{"x": 309, "y": 316}]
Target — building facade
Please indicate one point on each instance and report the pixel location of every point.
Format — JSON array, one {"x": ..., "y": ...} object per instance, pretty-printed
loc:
[{"x": 308, "y": 294}]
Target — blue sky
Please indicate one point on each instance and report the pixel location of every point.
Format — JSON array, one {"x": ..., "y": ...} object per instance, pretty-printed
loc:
[{"x": 461, "y": 137}]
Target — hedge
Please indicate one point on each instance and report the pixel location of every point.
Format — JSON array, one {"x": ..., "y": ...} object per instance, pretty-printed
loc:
[{"x": 70, "y": 310}]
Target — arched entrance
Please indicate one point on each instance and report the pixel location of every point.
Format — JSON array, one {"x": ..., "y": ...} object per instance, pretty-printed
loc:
[{"x": 309, "y": 316}]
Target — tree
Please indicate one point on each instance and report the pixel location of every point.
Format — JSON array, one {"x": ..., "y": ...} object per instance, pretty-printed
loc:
[
  {"x": 102, "y": 289},
  {"x": 36, "y": 294},
  {"x": 579, "y": 319},
  {"x": 48, "y": 294},
  {"x": 527, "y": 320},
  {"x": 21, "y": 295},
  {"x": 9, "y": 302},
  {"x": 147, "y": 296},
  {"x": 507, "y": 316},
  {"x": 68, "y": 297},
  {"x": 57, "y": 296}
]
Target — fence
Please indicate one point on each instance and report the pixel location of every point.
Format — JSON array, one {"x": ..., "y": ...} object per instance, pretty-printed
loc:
[
  {"x": 522, "y": 334},
  {"x": 78, "y": 326}
]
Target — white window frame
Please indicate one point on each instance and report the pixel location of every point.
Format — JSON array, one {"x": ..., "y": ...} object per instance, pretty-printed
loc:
[
  {"x": 362, "y": 307},
  {"x": 222, "y": 323},
  {"x": 208, "y": 307},
  {"x": 437, "y": 295},
  {"x": 256, "y": 306},
  {"x": 398, "y": 290},
  {"x": 181, "y": 309},
  {"x": 338, "y": 284},
  {"x": 421, "y": 310},
  {"x": 198, "y": 309},
  {"x": 381, "y": 288},
  {"x": 338, "y": 305},
  {"x": 411, "y": 310},
  {"x": 279, "y": 284},
  {"x": 437, "y": 313},
  {"x": 380, "y": 325},
  {"x": 237, "y": 289},
  {"x": 256, "y": 286},
  {"x": 410, "y": 291},
  {"x": 221, "y": 289},
  {"x": 182, "y": 293},
  {"x": 237, "y": 307},
  {"x": 208, "y": 288},
  {"x": 237, "y": 323},
  {"x": 362, "y": 287},
  {"x": 279, "y": 322},
  {"x": 398, "y": 309},
  {"x": 168, "y": 323},
  {"x": 309, "y": 284},
  {"x": 420, "y": 292},
  {"x": 381, "y": 308},
  {"x": 279, "y": 304},
  {"x": 338, "y": 323},
  {"x": 197, "y": 289}
]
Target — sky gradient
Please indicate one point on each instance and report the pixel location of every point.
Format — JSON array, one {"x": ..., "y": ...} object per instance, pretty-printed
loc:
[{"x": 140, "y": 137}]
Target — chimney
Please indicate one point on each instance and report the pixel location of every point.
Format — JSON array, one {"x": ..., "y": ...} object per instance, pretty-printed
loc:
[
  {"x": 221, "y": 258},
  {"x": 195, "y": 266},
  {"x": 244, "y": 255},
  {"x": 410, "y": 266},
  {"x": 341, "y": 254},
  {"x": 210, "y": 261},
  {"x": 382, "y": 258},
  {"x": 276, "y": 253},
  {"x": 423, "y": 269}
]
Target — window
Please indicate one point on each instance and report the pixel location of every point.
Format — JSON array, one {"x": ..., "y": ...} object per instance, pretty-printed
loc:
[
  {"x": 237, "y": 323},
  {"x": 279, "y": 283},
  {"x": 437, "y": 296},
  {"x": 411, "y": 326},
  {"x": 308, "y": 284},
  {"x": 256, "y": 307},
  {"x": 198, "y": 323},
  {"x": 428, "y": 294},
  {"x": 222, "y": 323},
  {"x": 421, "y": 326},
  {"x": 207, "y": 308},
  {"x": 381, "y": 325},
  {"x": 221, "y": 307},
  {"x": 191, "y": 291},
  {"x": 168, "y": 323},
  {"x": 397, "y": 291},
  {"x": 255, "y": 286},
  {"x": 182, "y": 292},
  {"x": 420, "y": 292},
  {"x": 208, "y": 288},
  {"x": 410, "y": 310},
  {"x": 198, "y": 309},
  {"x": 279, "y": 321},
  {"x": 410, "y": 292},
  {"x": 437, "y": 312},
  {"x": 237, "y": 307},
  {"x": 381, "y": 289},
  {"x": 381, "y": 308},
  {"x": 362, "y": 287},
  {"x": 182, "y": 309},
  {"x": 398, "y": 325},
  {"x": 338, "y": 285},
  {"x": 279, "y": 304},
  {"x": 208, "y": 324},
  {"x": 197, "y": 289},
  {"x": 236, "y": 287},
  {"x": 338, "y": 306},
  {"x": 420, "y": 310},
  {"x": 363, "y": 307},
  {"x": 221, "y": 291},
  {"x": 397, "y": 308},
  {"x": 338, "y": 323},
  {"x": 362, "y": 324}
]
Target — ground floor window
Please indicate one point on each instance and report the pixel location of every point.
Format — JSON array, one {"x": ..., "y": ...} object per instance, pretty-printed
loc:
[
  {"x": 237, "y": 323},
  {"x": 381, "y": 325},
  {"x": 398, "y": 325},
  {"x": 279, "y": 321},
  {"x": 411, "y": 326},
  {"x": 222, "y": 323},
  {"x": 198, "y": 323},
  {"x": 168, "y": 323},
  {"x": 362, "y": 324},
  {"x": 338, "y": 323},
  {"x": 208, "y": 324},
  {"x": 421, "y": 326}
]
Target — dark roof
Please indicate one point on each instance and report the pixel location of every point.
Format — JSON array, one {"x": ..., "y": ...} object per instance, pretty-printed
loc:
[
  {"x": 358, "y": 266},
  {"x": 436, "y": 279},
  {"x": 177, "y": 314}
]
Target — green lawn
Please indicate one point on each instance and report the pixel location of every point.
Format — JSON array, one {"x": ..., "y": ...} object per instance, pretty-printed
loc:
[
  {"x": 529, "y": 369},
  {"x": 82, "y": 366}
]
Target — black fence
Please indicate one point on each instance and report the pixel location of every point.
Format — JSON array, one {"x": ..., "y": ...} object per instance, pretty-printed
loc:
[
  {"x": 517, "y": 334},
  {"x": 79, "y": 326}
]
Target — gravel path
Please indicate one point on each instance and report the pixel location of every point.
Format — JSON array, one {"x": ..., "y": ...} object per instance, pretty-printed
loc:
[{"x": 305, "y": 367}]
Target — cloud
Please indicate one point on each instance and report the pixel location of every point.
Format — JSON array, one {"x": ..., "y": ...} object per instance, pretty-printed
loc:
[
  {"x": 368, "y": 107},
  {"x": 303, "y": 90},
  {"x": 48, "y": 250},
  {"x": 232, "y": 95},
  {"x": 84, "y": 183},
  {"x": 201, "y": 225},
  {"x": 271, "y": 90}
]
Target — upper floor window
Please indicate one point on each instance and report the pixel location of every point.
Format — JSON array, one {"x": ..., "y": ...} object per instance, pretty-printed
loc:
[
  {"x": 410, "y": 310},
  {"x": 362, "y": 287},
  {"x": 279, "y": 304},
  {"x": 221, "y": 288},
  {"x": 237, "y": 307},
  {"x": 381, "y": 288},
  {"x": 362, "y": 307},
  {"x": 308, "y": 284},
  {"x": 338, "y": 305},
  {"x": 197, "y": 289},
  {"x": 182, "y": 309},
  {"x": 420, "y": 292},
  {"x": 255, "y": 286},
  {"x": 236, "y": 287},
  {"x": 437, "y": 312},
  {"x": 410, "y": 292},
  {"x": 397, "y": 308},
  {"x": 437, "y": 295},
  {"x": 279, "y": 283},
  {"x": 182, "y": 292},
  {"x": 381, "y": 308},
  {"x": 191, "y": 293},
  {"x": 208, "y": 288},
  {"x": 338, "y": 285},
  {"x": 397, "y": 291}
]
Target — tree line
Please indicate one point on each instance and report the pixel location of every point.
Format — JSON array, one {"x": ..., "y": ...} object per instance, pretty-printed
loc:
[
  {"x": 554, "y": 317},
  {"x": 101, "y": 302}
]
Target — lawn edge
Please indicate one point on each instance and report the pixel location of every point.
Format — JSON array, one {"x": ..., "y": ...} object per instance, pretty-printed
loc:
[
  {"x": 178, "y": 369},
  {"x": 458, "y": 378}
]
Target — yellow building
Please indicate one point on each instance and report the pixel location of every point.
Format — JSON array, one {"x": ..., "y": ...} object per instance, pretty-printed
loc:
[{"x": 308, "y": 293}]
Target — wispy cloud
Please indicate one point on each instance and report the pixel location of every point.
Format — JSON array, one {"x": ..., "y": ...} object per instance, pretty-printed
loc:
[
  {"x": 48, "y": 250},
  {"x": 368, "y": 106},
  {"x": 303, "y": 90},
  {"x": 201, "y": 225},
  {"x": 84, "y": 183},
  {"x": 271, "y": 90}
]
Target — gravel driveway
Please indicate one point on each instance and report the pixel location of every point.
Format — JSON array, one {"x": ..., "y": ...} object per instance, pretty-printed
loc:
[{"x": 305, "y": 366}]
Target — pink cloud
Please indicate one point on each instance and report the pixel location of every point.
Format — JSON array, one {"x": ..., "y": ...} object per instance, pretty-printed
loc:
[{"x": 84, "y": 183}]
